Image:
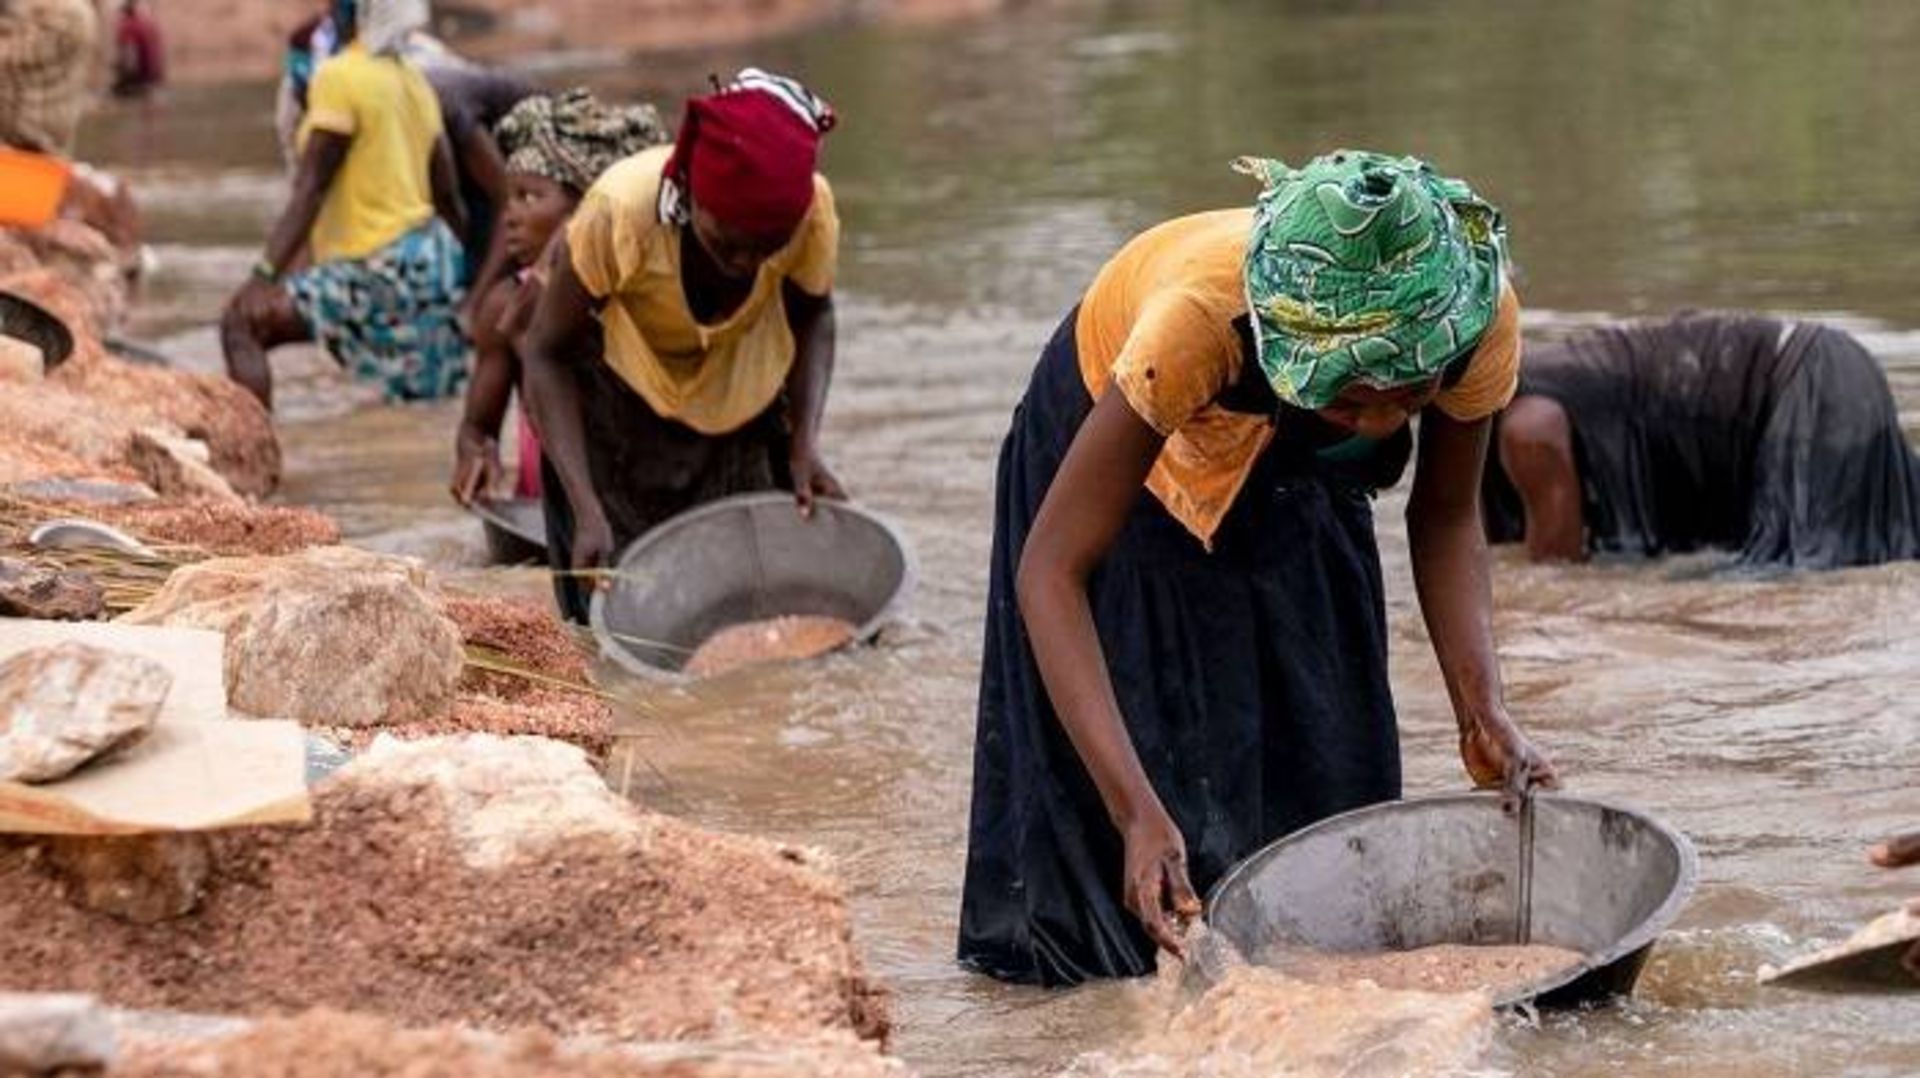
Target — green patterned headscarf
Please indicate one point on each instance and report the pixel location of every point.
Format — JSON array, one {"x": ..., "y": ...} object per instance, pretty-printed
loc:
[
  {"x": 571, "y": 138},
  {"x": 1369, "y": 269}
]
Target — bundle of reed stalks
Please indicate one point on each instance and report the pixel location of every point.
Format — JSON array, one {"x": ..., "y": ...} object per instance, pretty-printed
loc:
[{"x": 130, "y": 579}]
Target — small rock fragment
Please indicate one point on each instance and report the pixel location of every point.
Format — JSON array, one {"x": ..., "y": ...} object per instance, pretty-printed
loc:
[
  {"x": 37, "y": 591},
  {"x": 140, "y": 878},
  {"x": 41, "y": 1034},
  {"x": 63, "y": 706},
  {"x": 178, "y": 467}
]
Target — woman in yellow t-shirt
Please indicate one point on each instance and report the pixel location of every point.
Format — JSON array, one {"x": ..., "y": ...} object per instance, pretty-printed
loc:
[
  {"x": 684, "y": 342},
  {"x": 376, "y": 203},
  {"x": 1176, "y": 676}
]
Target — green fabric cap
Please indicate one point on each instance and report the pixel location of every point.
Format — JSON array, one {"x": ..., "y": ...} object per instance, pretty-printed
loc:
[{"x": 1367, "y": 268}]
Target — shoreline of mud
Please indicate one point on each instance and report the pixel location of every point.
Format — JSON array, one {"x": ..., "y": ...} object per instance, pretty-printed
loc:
[{"x": 216, "y": 41}]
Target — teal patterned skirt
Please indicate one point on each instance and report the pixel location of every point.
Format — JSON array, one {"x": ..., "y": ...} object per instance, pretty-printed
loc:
[{"x": 389, "y": 318}]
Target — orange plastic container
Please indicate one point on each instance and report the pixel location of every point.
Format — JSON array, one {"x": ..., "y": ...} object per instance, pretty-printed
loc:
[{"x": 31, "y": 187}]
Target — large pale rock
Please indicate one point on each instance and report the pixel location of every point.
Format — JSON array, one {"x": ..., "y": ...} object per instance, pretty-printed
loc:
[
  {"x": 65, "y": 705},
  {"x": 37, "y": 591},
  {"x": 144, "y": 879},
  {"x": 43, "y": 1034},
  {"x": 333, "y": 636},
  {"x": 508, "y": 799}
]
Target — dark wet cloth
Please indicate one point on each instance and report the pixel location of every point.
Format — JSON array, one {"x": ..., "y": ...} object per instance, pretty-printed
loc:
[
  {"x": 647, "y": 469},
  {"x": 1775, "y": 439},
  {"x": 474, "y": 98},
  {"x": 1253, "y": 680}
]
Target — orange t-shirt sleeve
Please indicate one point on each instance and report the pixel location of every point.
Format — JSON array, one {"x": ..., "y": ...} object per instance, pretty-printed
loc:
[
  {"x": 818, "y": 257},
  {"x": 1493, "y": 374},
  {"x": 603, "y": 244},
  {"x": 1177, "y": 358}
]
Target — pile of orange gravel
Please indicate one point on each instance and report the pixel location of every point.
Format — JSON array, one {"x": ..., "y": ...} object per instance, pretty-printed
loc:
[
  {"x": 332, "y": 1044},
  {"x": 217, "y": 528},
  {"x": 484, "y": 882},
  {"x": 527, "y": 635}
]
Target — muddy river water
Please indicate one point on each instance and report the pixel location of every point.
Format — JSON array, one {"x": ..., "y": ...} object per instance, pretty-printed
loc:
[{"x": 1650, "y": 155}]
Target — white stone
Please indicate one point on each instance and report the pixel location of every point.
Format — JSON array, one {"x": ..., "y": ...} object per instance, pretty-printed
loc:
[{"x": 63, "y": 706}]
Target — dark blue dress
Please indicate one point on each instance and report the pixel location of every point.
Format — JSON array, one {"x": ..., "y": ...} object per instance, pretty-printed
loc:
[{"x": 1252, "y": 678}]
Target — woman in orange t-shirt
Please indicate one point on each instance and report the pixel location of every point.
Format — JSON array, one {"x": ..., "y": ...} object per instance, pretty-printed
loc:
[{"x": 1177, "y": 676}]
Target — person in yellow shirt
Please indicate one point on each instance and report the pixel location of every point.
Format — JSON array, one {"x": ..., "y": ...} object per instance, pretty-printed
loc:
[
  {"x": 683, "y": 345},
  {"x": 376, "y": 205},
  {"x": 1186, "y": 638}
]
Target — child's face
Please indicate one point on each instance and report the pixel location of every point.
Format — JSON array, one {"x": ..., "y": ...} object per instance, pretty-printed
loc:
[{"x": 536, "y": 207}]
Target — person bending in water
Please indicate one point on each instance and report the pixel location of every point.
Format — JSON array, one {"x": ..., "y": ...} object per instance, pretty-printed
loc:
[
  {"x": 375, "y": 200},
  {"x": 555, "y": 148},
  {"x": 1186, "y": 635},
  {"x": 682, "y": 350},
  {"x": 1773, "y": 438}
]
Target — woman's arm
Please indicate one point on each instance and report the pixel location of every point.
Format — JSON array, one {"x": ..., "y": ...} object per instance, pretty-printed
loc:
[
  {"x": 495, "y": 371},
  {"x": 481, "y": 159},
  {"x": 1449, "y": 548},
  {"x": 326, "y": 151},
  {"x": 445, "y": 178},
  {"x": 814, "y": 336},
  {"x": 559, "y": 340},
  {"x": 1536, "y": 452},
  {"x": 1084, "y": 510}
]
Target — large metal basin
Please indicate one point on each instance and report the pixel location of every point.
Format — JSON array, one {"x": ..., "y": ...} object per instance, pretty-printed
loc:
[
  {"x": 516, "y": 530},
  {"x": 1406, "y": 874},
  {"x": 25, "y": 320},
  {"x": 741, "y": 559}
]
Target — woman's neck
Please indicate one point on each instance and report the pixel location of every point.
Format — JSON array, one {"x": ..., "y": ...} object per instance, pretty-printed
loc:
[{"x": 711, "y": 295}]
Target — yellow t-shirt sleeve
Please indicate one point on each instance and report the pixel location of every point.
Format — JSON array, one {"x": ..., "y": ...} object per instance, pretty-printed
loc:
[
  {"x": 1178, "y": 357},
  {"x": 603, "y": 244},
  {"x": 818, "y": 257},
  {"x": 330, "y": 100},
  {"x": 1493, "y": 374}
]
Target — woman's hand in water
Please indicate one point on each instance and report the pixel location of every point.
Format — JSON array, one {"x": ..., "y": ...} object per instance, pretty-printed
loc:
[
  {"x": 811, "y": 480},
  {"x": 476, "y": 466},
  {"x": 1157, "y": 889},
  {"x": 1499, "y": 757}
]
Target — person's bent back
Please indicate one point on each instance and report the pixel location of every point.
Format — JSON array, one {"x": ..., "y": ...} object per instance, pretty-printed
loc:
[{"x": 1775, "y": 439}]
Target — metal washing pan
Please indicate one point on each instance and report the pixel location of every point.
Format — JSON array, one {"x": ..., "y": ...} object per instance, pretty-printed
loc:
[
  {"x": 1406, "y": 874},
  {"x": 27, "y": 321},
  {"x": 742, "y": 559},
  {"x": 516, "y": 530}
]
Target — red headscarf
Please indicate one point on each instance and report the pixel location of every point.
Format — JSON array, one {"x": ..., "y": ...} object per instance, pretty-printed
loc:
[{"x": 747, "y": 153}]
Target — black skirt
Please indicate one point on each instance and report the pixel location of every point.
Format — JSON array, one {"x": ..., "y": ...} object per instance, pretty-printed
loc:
[
  {"x": 647, "y": 469},
  {"x": 1252, "y": 678}
]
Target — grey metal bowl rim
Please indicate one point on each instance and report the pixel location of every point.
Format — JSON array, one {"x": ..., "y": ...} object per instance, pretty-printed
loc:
[
  {"x": 1642, "y": 935},
  {"x": 596, "y": 606},
  {"x": 54, "y": 353}
]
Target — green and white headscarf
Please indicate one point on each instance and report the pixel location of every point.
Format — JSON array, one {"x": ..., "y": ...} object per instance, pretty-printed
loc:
[{"x": 1367, "y": 269}]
